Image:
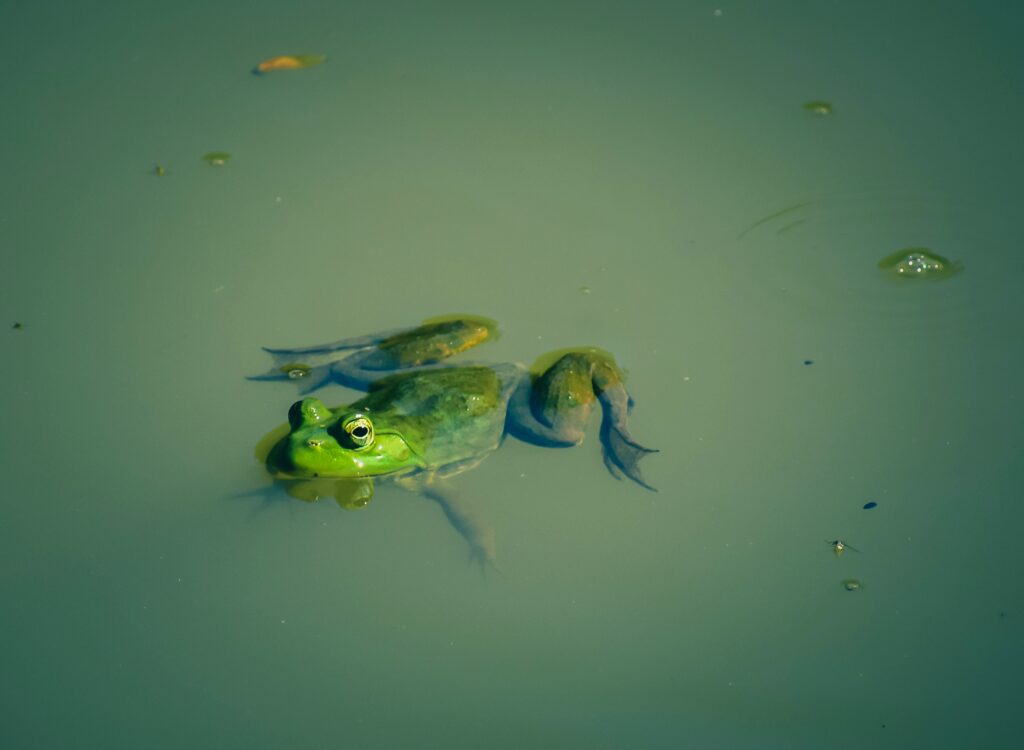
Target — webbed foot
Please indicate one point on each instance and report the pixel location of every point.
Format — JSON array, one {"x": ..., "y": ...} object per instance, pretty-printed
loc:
[
  {"x": 308, "y": 377},
  {"x": 620, "y": 451},
  {"x": 464, "y": 516},
  {"x": 622, "y": 454},
  {"x": 484, "y": 559},
  {"x": 353, "y": 342}
]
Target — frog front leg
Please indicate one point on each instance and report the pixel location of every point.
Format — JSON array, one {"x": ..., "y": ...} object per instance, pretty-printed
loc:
[
  {"x": 463, "y": 515},
  {"x": 552, "y": 409}
]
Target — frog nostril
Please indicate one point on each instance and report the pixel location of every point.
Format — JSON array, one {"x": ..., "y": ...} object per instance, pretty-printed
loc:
[{"x": 314, "y": 443}]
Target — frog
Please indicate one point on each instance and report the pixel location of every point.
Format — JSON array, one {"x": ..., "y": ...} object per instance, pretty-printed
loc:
[{"x": 424, "y": 419}]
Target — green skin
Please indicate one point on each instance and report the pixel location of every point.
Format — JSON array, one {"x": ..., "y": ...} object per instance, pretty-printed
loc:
[{"x": 422, "y": 421}]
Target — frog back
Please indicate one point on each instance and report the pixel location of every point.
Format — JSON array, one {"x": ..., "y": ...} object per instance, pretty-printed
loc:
[{"x": 449, "y": 415}]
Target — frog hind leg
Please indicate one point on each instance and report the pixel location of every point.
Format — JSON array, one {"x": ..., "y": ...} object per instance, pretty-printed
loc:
[
  {"x": 307, "y": 376},
  {"x": 352, "y": 369},
  {"x": 424, "y": 347},
  {"x": 552, "y": 409},
  {"x": 353, "y": 342},
  {"x": 524, "y": 424},
  {"x": 620, "y": 451},
  {"x": 312, "y": 367},
  {"x": 358, "y": 361},
  {"x": 432, "y": 340}
]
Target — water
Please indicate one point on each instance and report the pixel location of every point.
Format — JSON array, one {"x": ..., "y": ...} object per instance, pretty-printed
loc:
[{"x": 499, "y": 160}]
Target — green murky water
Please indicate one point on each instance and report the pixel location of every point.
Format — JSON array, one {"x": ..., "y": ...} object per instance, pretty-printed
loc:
[{"x": 642, "y": 177}]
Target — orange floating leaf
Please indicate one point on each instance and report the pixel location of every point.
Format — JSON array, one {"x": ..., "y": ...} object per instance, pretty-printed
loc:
[{"x": 289, "y": 62}]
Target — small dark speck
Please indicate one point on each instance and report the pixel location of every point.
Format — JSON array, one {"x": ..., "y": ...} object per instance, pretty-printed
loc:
[
  {"x": 17, "y": 326},
  {"x": 869, "y": 506},
  {"x": 1002, "y": 615},
  {"x": 808, "y": 362},
  {"x": 883, "y": 726}
]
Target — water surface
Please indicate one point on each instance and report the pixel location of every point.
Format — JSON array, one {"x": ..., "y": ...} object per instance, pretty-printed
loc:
[{"x": 639, "y": 177}]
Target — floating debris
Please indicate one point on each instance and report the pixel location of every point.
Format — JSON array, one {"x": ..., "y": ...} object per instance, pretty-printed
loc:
[
  {"x": 852, "y": 584},
  {"x": 870, "y": 505},
  {"x": 819, "y": 108},
  {"x": 289, "y": 62},
  {"x": 17, "y": 326},
  {"x": 839, "y": 546},
  {"x": 584, "y": 290},
  {"x": 808, "y": 362},
  {"x": 216, "y": 158},
  {"x": 159, "y": 171},
  {"x": 917, "y": 263}
]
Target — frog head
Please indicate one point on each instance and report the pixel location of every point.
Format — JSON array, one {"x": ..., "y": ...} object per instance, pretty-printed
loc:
[{"x": 340, "y": 444}]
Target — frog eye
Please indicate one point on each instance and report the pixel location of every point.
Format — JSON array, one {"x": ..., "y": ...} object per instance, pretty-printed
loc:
[{"x": 359, "y": 432}]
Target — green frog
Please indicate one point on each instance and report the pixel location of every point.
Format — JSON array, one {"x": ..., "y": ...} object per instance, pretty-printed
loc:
[{"x": 424, "y": 420}]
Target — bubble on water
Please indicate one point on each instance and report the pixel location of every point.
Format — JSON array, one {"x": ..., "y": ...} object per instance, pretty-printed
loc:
[
  {"x": 918, "y": 263},
  {"x": 852, "y": 584}
]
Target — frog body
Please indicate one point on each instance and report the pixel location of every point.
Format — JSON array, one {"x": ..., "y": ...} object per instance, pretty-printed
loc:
[
  {"x": 423, "y": 420},
  {"x": 429, "y": 420}
]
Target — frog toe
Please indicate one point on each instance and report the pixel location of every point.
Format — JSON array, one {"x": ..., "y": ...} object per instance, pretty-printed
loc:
[
  {"x": 483, "y": 559},
  {"x": 307, "y": 378},
  {"x": 622, "y": 455}
]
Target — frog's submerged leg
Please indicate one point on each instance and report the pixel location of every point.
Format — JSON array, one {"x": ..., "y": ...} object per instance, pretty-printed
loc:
[
  {"x": 464, "y": 516},
  {"x": 552, "y": 409}
]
